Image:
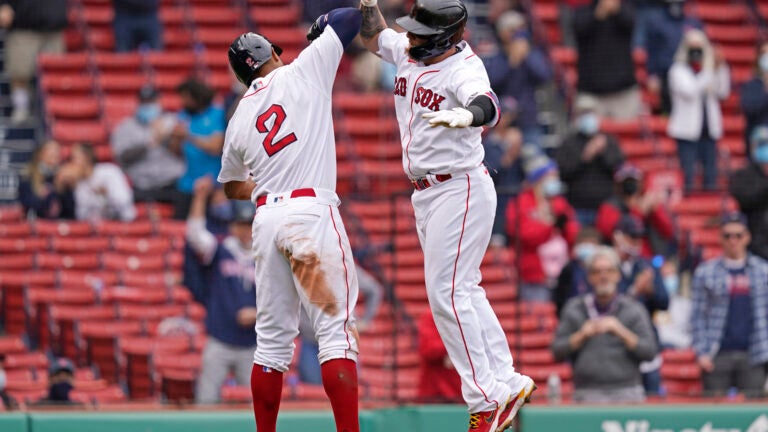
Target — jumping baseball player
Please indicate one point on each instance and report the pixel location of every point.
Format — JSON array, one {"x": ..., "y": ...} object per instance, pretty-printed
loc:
[
  {"x": 279, "y": 152},
  {"x": 442, "y": 98}
]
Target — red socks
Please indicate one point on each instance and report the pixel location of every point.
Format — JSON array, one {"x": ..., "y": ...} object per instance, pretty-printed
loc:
[
  {"x": 266, "y": 387},
  {"x": 340, "y": 383}
]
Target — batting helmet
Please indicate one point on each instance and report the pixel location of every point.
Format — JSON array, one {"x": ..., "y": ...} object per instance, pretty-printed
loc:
[
  {"x": 438, "y": 21},
  {"x": 248, "y": 53}
]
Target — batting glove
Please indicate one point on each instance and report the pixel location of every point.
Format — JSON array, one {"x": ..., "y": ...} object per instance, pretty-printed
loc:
[
  {"x": 317, "y": 28},
  {"x": 455, "y": 118},
  {"x": 368, "y": 3}
]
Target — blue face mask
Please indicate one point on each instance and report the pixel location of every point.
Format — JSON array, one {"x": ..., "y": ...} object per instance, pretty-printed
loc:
[
  {"x": 222, "y": 212},
  {"x": 146, "y": 113},
  {"x": 588, "y": 124},
  {"x": 552, "y": 187},
  {"x": 761, "y": 154},
  {"x": 763, "y": 62},
  {"x": 584, "y": 251},
  {"x": 672, "y": 284}
]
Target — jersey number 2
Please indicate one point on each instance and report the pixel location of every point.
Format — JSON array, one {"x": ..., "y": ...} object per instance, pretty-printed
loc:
[{"x": 270, "y": 145}]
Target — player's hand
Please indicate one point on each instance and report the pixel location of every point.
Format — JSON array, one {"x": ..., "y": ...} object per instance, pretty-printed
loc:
[
  {"x": 455, "y": 118},
  {"x": 317, "y": 27},
  {"x": 368, "y": 3}
]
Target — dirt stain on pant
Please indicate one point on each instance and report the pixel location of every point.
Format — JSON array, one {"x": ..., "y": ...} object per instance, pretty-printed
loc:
[{"x": 311, "y": 276}]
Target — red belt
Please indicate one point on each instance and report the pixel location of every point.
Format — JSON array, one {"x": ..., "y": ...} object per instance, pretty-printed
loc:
[
  {"x": 306, "y": 192},
  {"x": 422, "y": 182}
]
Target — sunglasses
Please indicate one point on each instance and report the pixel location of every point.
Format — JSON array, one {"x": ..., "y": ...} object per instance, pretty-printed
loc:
[{"x": 737, "y": 236}]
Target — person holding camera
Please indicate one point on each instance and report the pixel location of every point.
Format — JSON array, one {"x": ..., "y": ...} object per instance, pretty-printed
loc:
[{"x": 545, "y": 225}]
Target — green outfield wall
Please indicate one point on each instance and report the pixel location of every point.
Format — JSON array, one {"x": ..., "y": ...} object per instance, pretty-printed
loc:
[{"x": 644, "y": 418}]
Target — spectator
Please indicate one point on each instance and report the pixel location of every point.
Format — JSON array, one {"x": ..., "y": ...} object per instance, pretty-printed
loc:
[
  {"x": 228, "y": 293},
  {"x": 35, "y": 26},
  {"x": 749, "y": 185},
  {"x": 503, "y": 145},
  {"x": 674, "y": 326},
  {"x": 545, "y": 225},
  {"x": 61, "y": 378},
  {"x": 517, "y": 70},
  {"x": 6, "y": 401},
  {"x": 308, "y": 363},
  {"x": 698, "y": 79},
  {"x": 587, "y": 159},
  {"x": 140, "y": 145},
  {"x": 572, "y": 281},
  {"x": 665, "y": 25},
  {"x": 566, "y": 10},
  {"x": 199, "y": 136},
  {"x": 604, "y": 31},
  {"x": 629, "y": 198},
  {"x": 438, "y": 380},
  {"x": 730, "y": 314},
  {"x": 754, "y": 97},
  {"x": 102, "y": 191},
  {"x": 641, "y": 281},
  {"x": 46, "y": 191},
  {"x": 606, "y": 335},
  {"x": 137, "y": 25}
]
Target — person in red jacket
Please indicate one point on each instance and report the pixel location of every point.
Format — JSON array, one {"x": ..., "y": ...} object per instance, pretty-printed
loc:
[
  {"x": 630, "y": 198},
  {"x": 544, "y": 226},
  {"x": 438, "y": 380}
]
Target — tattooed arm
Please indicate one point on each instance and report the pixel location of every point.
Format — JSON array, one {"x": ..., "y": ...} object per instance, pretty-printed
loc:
[{"x": 373, "y": 24}]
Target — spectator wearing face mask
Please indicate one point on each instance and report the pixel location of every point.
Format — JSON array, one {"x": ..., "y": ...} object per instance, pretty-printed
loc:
[
  {"x": 587, "y": 160},
  {"x": 545, "y": 225},
  {"x": 573, "y": 281},
  {"x": 140, "y": 145},
  {"x": 46, "y": 190},
  {"x": 643, "y": 282},
  {"x": 61, "y": 377},
  {"x": 754, "y": 97},
  {"x": 630, "y": 198},
  {"x": 698, "y": 80},
  {"x": 749, "y": 186}
]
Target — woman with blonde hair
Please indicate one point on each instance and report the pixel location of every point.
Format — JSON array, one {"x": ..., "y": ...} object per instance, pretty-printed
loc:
[
  {"x": 46, "y": 190},
  {"x": 698, "y": 80}
]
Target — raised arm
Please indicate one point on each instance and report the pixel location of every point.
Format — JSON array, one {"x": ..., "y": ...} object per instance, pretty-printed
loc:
[{"x": 373, "y": 24}]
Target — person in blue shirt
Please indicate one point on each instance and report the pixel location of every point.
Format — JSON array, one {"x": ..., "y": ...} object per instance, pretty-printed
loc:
[
  {"x": 198, "y": 137},
  {"x": 227, "y": 290}
]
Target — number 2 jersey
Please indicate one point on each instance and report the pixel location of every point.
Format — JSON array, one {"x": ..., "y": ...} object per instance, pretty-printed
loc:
[{"x": 281, "y": 134}]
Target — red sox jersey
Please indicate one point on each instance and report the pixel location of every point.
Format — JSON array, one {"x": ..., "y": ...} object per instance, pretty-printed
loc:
[
  {"x": 453, "y": 82},
  {"x": 281, "y": 134}
]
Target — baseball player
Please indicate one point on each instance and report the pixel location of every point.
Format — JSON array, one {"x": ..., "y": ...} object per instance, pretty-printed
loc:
[
  {"x": 442, "y": 98},
  {"x": 279, "y": 152}
]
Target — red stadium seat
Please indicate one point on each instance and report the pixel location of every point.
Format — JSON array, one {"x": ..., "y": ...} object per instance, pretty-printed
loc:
[
  {"x": 71, "y": 107},
  {"x": 133, "y": 262},
  {"x": 55, "y": 261},
  {"x": 45, "y": 228},
  {"x": 23, "y": 261},
  {"x": 84, "y": 278},
  {"x": 76, "y": 245},
  {"x": 12, "y": 345}
]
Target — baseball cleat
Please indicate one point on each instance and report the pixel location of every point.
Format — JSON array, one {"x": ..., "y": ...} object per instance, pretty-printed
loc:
[
  {"x": 513, "y": 407},
  {"x": 488, "y": 421}
]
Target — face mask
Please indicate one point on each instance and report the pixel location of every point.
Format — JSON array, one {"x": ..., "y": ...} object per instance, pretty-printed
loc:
[
  {"x": 761, "y": 154},
  {"x": 145, "y": 113},
  {"x": 222, "y": 212},
  {"x": 60, "y": 391},
  {"x": 695, "y": 55},
  {"x": 588, "y": 124},
  {"x": 584, "y": 251},
  {"x": 630, "y": 187},
  {"x": 763, "y": 62},
  {"x": 552, "y": 187},
  {"x": 672, "y": 284}
]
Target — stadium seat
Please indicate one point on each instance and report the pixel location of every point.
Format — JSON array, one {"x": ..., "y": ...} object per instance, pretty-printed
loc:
[
  {"x": 124, "y": 229},
  {"x": 55, "y": 261},
  {"x": 17, "y": 262},
  {"x": 77, "y": 245},
  {"x": 63, "y": 228},
  {"x": 134, "y": 262},
  {"x": 12, "y": 345}
]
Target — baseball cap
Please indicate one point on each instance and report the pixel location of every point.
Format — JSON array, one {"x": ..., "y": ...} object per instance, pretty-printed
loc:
[
  {"x": 148, "y": 93},
  {"x": 733, "y": 217},
  {"x": 61, "y": 364},
  {"x": 627, "y": 171},
  {"x": 631, "y": 225},
  {"x": 243, "y": 211}
]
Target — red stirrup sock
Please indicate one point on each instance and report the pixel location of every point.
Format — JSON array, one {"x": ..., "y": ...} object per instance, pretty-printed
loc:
[
  {"x": 266, "y": 388},
  {"x": 340, "y": 383}
]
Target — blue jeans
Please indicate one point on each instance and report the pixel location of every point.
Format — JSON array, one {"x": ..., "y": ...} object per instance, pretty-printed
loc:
[
  {"x": 652, "y": 382},
  {"x": 586, "y": 217},
  {"x": 532, "y": 292},
  {"x": 703, "y": 151},
  {"x": 308, "y": 365},
  {"x": 136, "y": 31}
]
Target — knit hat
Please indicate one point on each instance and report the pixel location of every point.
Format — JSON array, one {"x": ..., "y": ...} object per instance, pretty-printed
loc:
[
  {"x": 536, "y": 164},
  {"x": 733, "y": 217},
  {"x": 627, "y": 171},
  {"x": 631, "y": 225}
]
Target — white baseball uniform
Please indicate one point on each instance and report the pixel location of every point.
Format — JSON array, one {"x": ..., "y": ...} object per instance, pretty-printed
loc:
[
  {"x": 454, "y": 216},
  {"x": 282, "y": 136}
]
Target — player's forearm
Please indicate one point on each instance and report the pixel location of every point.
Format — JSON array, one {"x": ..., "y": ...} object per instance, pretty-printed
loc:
[
  {"x": 373, "y": 24},
  {"x": 239, "y": 190}
]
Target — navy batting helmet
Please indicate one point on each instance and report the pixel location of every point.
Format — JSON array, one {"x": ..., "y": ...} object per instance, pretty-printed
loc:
[
  {"x": 248, "y": 53},
  {"x": 438, "y": 21}
]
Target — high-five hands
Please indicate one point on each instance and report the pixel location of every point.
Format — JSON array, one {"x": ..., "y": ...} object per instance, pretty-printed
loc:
[{"x": 454, "y": 118}]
